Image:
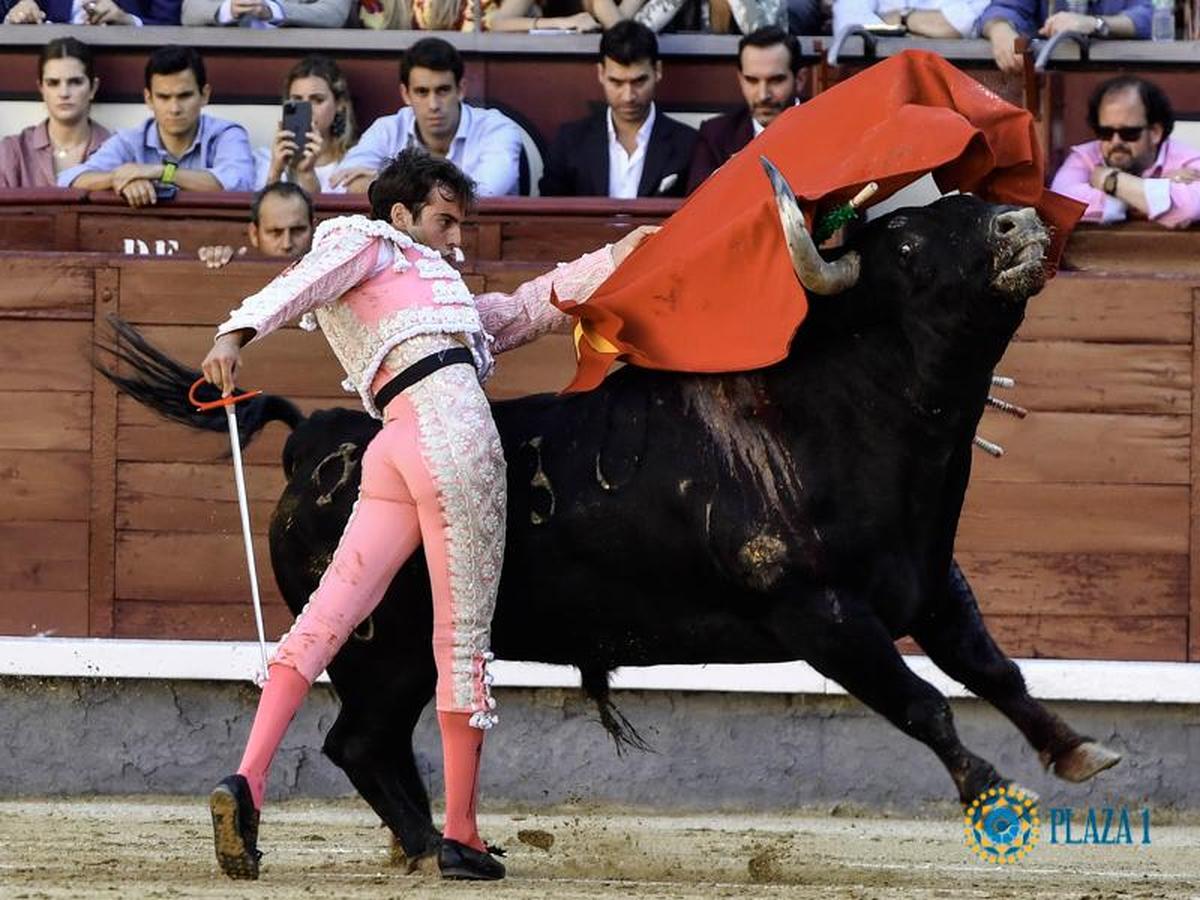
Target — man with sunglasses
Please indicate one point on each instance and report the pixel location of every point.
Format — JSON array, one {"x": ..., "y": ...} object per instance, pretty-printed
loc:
[{"x": 1134, "y": 169}]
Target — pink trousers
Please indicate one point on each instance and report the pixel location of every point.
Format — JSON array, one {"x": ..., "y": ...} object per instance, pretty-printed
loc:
[{"x": 433, "y": 476}]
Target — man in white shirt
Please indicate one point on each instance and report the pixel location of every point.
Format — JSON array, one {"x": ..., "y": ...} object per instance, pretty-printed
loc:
[
  {"x": 630, "y": 149},
  {"x": 483, "y": 143}
]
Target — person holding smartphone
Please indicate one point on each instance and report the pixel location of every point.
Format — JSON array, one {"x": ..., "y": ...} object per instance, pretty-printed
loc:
[{"x": 315, "y": 131}]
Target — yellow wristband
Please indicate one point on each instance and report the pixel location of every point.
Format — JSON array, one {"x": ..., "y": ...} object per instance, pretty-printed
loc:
[{"x": 168, "y": 175}]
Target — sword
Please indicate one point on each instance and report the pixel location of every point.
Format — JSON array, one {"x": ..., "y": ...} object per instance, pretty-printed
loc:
[{"x": 239, "y": 478}]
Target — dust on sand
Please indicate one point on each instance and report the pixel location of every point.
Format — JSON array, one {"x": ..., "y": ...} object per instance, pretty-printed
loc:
[{"x": 161, "y": 847}]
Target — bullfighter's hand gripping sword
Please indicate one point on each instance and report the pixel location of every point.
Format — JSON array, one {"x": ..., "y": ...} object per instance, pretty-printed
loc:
[{"x": 239, "y": 478}]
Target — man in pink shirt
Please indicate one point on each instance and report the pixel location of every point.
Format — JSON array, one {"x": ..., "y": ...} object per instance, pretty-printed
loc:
[{"x": 1134, "y": 169}]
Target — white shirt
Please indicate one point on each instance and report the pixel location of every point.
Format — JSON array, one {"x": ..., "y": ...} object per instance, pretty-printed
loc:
[
  {"x": 625, "y": 169},
  {"x": 486, "y": 146},
  {"x": 959, "y": 13}
]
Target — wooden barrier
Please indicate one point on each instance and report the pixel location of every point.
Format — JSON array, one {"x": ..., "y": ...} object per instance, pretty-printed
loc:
[{"x": 118, "y": 524}]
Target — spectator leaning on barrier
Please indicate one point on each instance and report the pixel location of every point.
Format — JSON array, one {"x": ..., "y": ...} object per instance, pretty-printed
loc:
[
  {"x": 628, "y": 149},
  {"x": 267, "y": 13},
  {"x": 318, "y": 81},
  {"x": 771, "y": 80},
  {"x": 68, "y": 136},
  {"x": 281, "y": 226},
  {"x": 459, "y": 15},
  {"x": 483, "y": 143},
  {"x": 178, "y": 146},
  {"x": 1134, "y": 167},
  {"x": 1004, "y": 20},
  {"x": 91, "y": 12},
  {"x": 922, "y": 18}
]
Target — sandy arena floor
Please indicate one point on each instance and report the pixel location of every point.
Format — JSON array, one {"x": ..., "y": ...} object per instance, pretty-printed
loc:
[{"x": 160, "y": 847}]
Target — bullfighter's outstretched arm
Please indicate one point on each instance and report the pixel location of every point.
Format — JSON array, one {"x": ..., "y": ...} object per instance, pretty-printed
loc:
[
  {"x": 527, "y": 313},
  {"x": 341, "y": 257}
]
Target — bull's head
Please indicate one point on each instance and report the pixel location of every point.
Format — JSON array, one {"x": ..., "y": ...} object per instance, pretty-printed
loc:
[{"x": 957, "y": 242}]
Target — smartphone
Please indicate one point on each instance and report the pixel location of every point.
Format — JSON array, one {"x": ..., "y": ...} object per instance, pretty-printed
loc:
[{"x": 297, "y": 118}]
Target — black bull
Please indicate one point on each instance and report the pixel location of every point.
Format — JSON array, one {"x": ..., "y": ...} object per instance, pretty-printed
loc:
[{"x": 803, "y": 511}]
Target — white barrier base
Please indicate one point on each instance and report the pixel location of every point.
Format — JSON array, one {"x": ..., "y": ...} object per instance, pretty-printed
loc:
[{"x": 1048, "y": 679}]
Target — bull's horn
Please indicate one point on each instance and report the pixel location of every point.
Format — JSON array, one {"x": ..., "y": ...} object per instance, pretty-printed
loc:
[{"x": 816, "y": 274}]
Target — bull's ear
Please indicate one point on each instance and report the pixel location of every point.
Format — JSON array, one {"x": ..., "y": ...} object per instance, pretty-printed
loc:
[{"x": 815, "y": 273}]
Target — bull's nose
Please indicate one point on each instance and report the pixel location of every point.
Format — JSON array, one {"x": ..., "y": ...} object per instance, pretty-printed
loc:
[{"x": 1006, "y": 223}]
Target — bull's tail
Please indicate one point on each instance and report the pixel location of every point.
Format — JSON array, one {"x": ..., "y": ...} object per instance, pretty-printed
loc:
[{"x": 162, "y": 383}]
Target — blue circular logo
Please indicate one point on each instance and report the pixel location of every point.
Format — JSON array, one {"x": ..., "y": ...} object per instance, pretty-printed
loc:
[{"x": 1001, "y": 824}]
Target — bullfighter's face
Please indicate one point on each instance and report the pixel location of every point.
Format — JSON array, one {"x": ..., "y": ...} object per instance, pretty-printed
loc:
[
  {"x": 437, "y": 224},
  {"x": 1124, "y": 111}
]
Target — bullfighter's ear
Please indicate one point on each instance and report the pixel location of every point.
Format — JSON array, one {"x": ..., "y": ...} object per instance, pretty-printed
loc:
[{"x": 814, "y": 273}]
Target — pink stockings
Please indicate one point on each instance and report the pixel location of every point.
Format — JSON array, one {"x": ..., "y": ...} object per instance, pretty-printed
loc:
[{"x": 399, "y": 508}]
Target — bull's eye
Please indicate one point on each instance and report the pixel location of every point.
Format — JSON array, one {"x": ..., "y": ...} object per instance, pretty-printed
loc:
[{"x": 906, "y": 250}]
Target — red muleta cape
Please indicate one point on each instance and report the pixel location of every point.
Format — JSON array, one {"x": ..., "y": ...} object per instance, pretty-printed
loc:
[{"x": 714, "y": 291}]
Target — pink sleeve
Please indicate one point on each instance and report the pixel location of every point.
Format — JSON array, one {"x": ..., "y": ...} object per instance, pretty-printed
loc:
[
  {"x": 527, "y": 313},
  {"x": 1185, "y": 199},
  {"x": 340, "y": 259},
  {"x": 10, "y": 162},
  {"x": 1071, "y": 180}
]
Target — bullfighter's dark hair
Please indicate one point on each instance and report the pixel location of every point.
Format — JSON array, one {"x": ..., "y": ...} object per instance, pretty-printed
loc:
[
  {"x": 175, "y": 58},
  {"x": 628, "y": 42},
  {"x": 431, "y": 53},
  {"x": 67, "y": 48},
  {"x": 769, "y": 36},
  {"x": 409, "y": 178},
  {"x": 1154, "y": 99},
  {"x": 284, "y": 189}
]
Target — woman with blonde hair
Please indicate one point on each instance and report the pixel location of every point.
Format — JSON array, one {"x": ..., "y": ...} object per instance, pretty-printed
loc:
[{"x": 318, "y": 81}]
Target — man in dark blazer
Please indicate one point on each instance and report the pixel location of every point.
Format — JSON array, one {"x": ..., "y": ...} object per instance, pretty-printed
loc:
[
  {"x": 771, "y": 80},
  {"x": 630, "y": 148},
  {"x": 92, "y": 12}
]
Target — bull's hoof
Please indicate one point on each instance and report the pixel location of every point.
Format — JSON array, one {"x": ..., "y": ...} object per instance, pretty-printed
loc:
[{"x": 1085, "y": 761}]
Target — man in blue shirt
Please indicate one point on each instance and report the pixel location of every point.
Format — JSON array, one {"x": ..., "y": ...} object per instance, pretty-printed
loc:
[
  {"x": 178, "y": 147},
  {"x": 1004, "y": 20},
  {"x": 483, "y": 143}
]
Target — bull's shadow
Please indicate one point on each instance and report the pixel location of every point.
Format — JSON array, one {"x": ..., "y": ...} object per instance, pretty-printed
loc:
[{"x": 803, "y": 511}]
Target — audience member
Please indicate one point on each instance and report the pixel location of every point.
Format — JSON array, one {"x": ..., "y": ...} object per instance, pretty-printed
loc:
[
  {"x": 484, "y": 143},
  {"x": 921, "y": 18},
  {"x": 94, "y": 12},
  {"x": 771, "y": 80},
  {"x": 459, "y": 15},
  {"x": 318, "y": 81},
  {"x": 267, "y": 13},
  {"x": 67, "y": 136},
  {"x": 750, "y": 15},
  {"x": 1134, "y": 168},
  {"x": 178, "y": 146},
  {"x": 281, "y": 225},
  {"x": 1004, "y": 20},
  {"x": 628, "y": 149}
]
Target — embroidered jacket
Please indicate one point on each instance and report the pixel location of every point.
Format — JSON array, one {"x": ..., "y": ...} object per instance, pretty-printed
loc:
[{"x": 372, "y": 288}]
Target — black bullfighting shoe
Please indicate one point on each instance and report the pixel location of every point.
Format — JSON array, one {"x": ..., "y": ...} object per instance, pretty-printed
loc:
[
  {"x": 465, "y": 863},
  {"x": 235, "y": 828}
]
